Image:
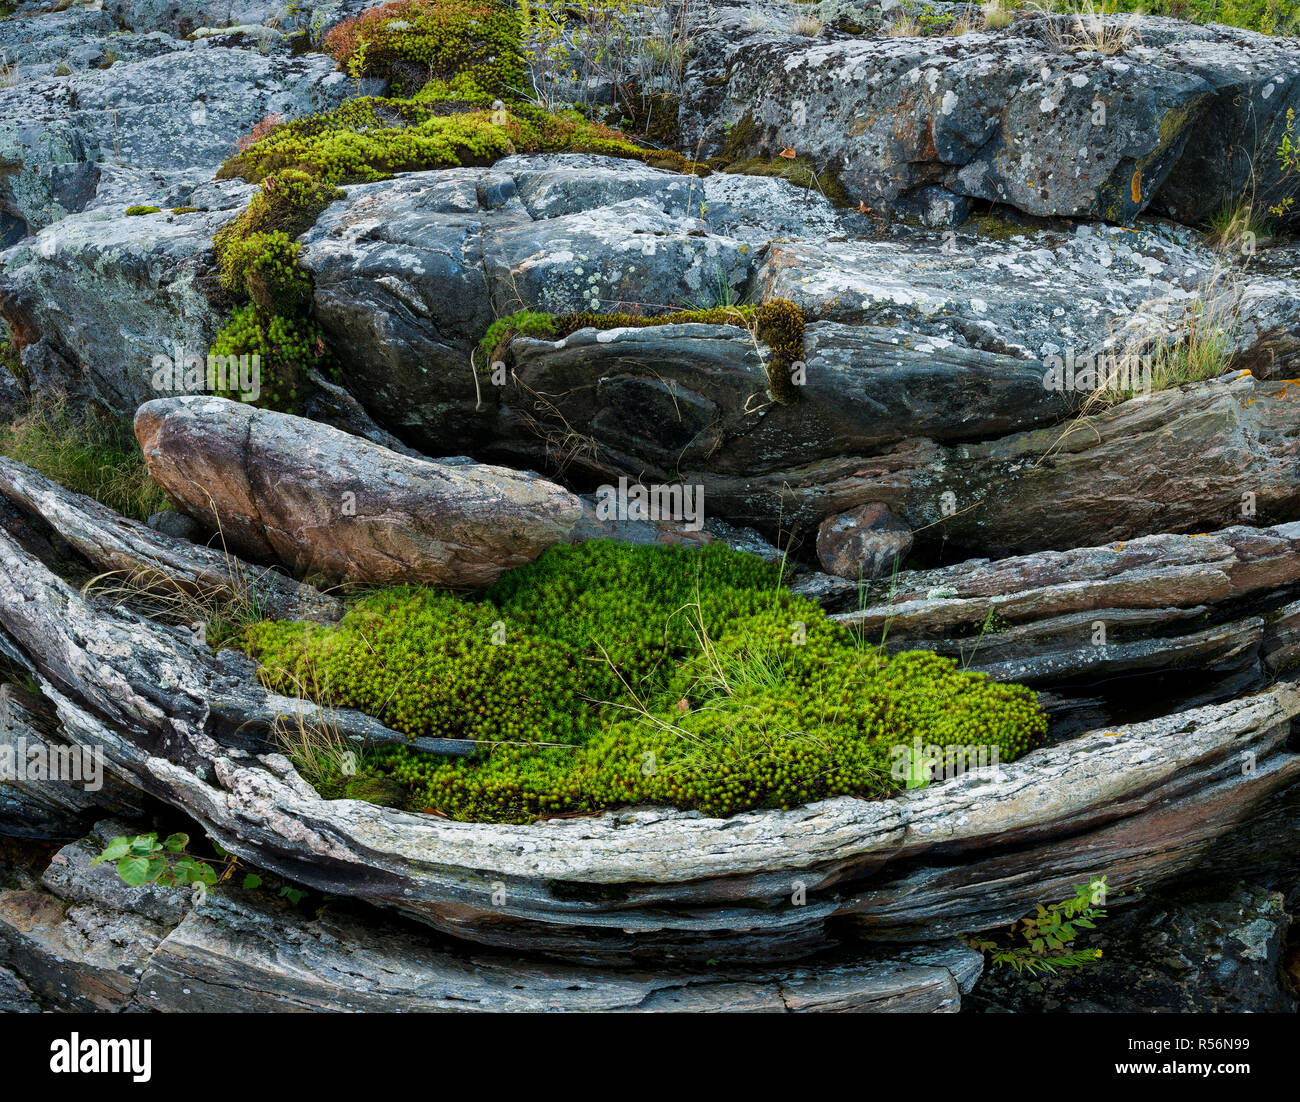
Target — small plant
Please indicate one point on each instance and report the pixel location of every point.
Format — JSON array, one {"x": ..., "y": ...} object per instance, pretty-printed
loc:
[
  {"x": 1048, "y": 934},
  {"x": 143, "y": 859},
  {"x": 808, "y": 25},
  {"x": 134, "y": 212},
  {"x": 1288, "y": 155}
]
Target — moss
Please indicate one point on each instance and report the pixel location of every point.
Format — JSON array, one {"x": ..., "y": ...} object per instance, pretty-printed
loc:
[
  {"x": 525, "y": 323},
  {"x": 653, "y": 117},
  {"x": 411, "y": 42},
  {"x": 138, "y": 210},
  {"x": 264, "y": 268},
  {"x": 780, "y": 325},
  {"x": 604, "y": 675},
  {"x": 184, "y": 210},
  {"x": 288, "y": 202},
  {"x": 287, "y": 348}
]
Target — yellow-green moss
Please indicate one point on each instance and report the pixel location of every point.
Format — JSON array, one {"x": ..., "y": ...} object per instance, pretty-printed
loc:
[{"x": 604, "y": 675}]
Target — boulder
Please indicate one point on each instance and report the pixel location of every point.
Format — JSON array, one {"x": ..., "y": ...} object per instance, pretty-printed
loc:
[
  {"x": 325, "y": 502},
  {"x": 1026, "y": 116},
  {"x": 863, "y": 543}
]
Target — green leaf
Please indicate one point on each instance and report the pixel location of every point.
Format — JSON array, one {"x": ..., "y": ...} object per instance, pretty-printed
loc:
[
  {"x": 252, "y": 880},
  {"x": 118, "y": 847},
  {"x": 143, "y": 845},
  {"x": 176, "y": 842},
  {"x": 293, "y": 895},
  {"x": 134, "y": 871}
]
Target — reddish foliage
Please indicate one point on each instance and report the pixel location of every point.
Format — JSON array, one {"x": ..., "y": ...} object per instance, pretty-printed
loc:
[
  {"x": 344, "y": 38},
  {"x": 260, "y": 131}
]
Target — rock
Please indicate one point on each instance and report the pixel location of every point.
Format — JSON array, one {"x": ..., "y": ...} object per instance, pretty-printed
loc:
[
  {"x": 1202, "y": 950},
  {"x": 325, "y": 502},
  {"x": 1144, "y": 800},
  {"x": 1006, "y": 116},
  {"x": 240, "y": 950},
  {"x": 108, "y": 294},
  {"x": 177, "y": 525},
  {"x": 174, "y": 112},
  {"x": 48, "y": 788},
  {"x": 863, "y": 543}
]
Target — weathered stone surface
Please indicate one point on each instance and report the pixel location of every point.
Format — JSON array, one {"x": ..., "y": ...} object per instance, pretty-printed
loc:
[
  {"x": 1145, "y": 800},
  {"x": 1007, "y": 116},
  {"x": 176, "y": 111},
  {"x": 244, "y": 950},
  {"x": 107, "y": 294},
  {"x": 322, "y": 501},
  {"x": 41, "y": 803},
  {"x": 863, "y": 543}
]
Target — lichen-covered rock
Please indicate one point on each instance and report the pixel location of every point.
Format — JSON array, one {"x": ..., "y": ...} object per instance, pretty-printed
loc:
[
  {"x": 1012, "y": 116},
  {"x": 325, "y": 502},
  {"x": 175, "y": 112}
]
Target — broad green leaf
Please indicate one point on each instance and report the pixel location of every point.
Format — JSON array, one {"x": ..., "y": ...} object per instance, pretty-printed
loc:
[{"x": 134, "y": 871}]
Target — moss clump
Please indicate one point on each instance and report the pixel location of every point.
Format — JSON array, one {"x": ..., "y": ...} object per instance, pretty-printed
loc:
[
  {"x": 604, "y": 675},
  {"x": 372, "y": 138},
  {"x": 264, "y": 267},
  {"x": 779, "y": 324},
  {"x": 525, "y": 323},
  {"x": 184, "y": 210},
  {"x": 288, "y": 202},
  {"x": 258, "y": 262},
  {"x": 410, "y": 42},
  {"x": 133, "y": 212},
  {"x": 287, "y": 348}
]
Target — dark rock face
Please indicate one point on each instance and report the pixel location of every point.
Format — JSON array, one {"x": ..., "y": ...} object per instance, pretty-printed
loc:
[{"x": 1215, "y": 949}]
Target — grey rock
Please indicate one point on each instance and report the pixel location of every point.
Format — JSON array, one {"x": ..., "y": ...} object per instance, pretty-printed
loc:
[
  {"x": 1006, "y": 116},
  {"x": 175, "y": 112},
  {"x": 72, "y": 788},
  {"x": 177, "y": 525}
]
